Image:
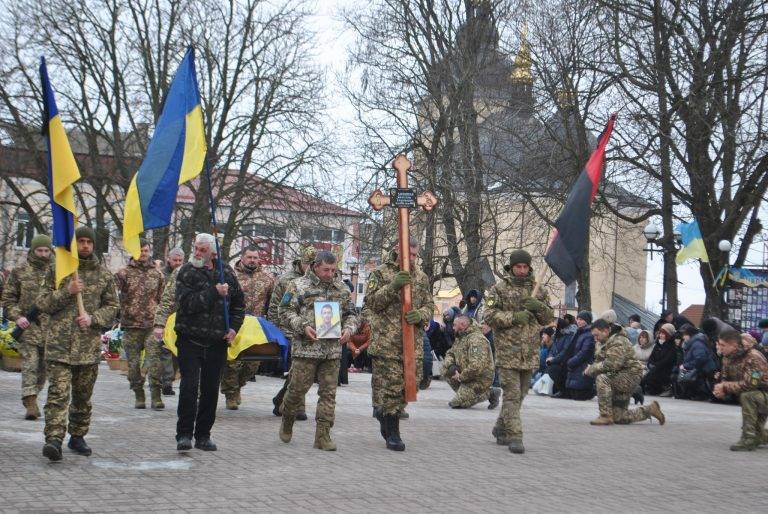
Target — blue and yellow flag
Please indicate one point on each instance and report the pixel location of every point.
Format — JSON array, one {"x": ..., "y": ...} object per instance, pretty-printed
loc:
[
  {"x": 175, "y": 155},
  {"x": 693, "y": 244},
  {"x": 62, "y": 174}
]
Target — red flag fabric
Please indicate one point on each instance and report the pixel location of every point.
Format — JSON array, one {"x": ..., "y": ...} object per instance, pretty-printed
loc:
[{"x": 568, "y": 244}]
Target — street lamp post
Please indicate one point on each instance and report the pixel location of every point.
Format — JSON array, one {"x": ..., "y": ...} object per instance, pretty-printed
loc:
[
  {"x": 724, "y": 246},
  {"x": 666, "y": 248}
]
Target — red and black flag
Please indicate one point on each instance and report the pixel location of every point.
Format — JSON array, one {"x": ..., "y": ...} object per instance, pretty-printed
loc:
[{"x": 565, "y": 253}]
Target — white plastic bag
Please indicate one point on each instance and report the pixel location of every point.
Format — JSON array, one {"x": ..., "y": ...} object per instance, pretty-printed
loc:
[
  {"x": 544, "y": 385},
  {"x": 437, "y": 365}
]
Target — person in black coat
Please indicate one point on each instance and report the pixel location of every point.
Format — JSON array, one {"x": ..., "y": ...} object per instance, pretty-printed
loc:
[
  {"x": 580, "y": 386},
  {"x": 559, "y": 353},
  {"x": 697, "y": 370},
  {"x": 661, "y": 362}
]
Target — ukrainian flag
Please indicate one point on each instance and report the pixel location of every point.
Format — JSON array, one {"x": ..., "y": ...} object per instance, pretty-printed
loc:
[
  {"x": 693, "y": 244},
  {"x": 175, "y": 155},
  {"x": 62, "y": 174}
]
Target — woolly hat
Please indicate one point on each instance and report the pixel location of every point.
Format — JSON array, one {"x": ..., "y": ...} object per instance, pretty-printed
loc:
[
  {"x": 586, "y": 316},
  {"x": 610, "y": 316},
  {"x": 519, "y": 256},
  {"x": 40, "y": 240},
  {"x": 689, "y": 330},
  {"x": 87, "y": 232},
  {"x": 669, "y": 328},
  {"x": 176, "y": 251}
]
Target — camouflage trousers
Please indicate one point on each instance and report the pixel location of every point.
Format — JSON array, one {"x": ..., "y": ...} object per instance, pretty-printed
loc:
[
  {"x": 32, "y": 369},
  {"x": 388, "y": 384},
  {"x": 302, "y": 377},
  {"x": 65, "y": 382},
  {"x": 236, "y": 375},
  {"x": 134, "y": 341},
  {"x": 515, "y": 384},
  {"x": 754, "y": 412},
  {"x": 469, "y": 393},
  {"x": 167, "y": 370},
  {"x": 613, "y": 395}
]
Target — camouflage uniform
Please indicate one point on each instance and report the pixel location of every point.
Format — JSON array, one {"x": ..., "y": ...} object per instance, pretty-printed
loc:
[
  {"x": 617, "y": 373},
  {"x": 140, "y": 286},
  {"x": 471, "y": 356},
  {"x": 751, "y": 385},
  {"x": 517, "y": 342},
  {"x": 308, "y": 254},
  {"x": 22, "y": 289},
  {"x": 72, "y": 353},
  {"x": 168, "y": 371},
  {"x": 310, "y": 357},
  {"x": 167, "y": 304},
  {"x": 257, "y": 286},
  {"x": 382, "y": 309}
]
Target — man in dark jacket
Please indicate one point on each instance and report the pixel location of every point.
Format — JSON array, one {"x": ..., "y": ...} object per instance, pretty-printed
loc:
[
  {"x": 661, "y": 362},
  {"x": 560, "y": 351},
  {"x": 203, "y": 339},
  {"x": 580, "y": 386}
]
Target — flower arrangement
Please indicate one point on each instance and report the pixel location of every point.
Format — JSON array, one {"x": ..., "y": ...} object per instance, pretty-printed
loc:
[
  {"x": 112, "y": 343},
  {"x": 8, "y": 345}
]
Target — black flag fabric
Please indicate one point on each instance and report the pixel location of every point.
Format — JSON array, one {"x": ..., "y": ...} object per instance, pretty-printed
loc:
[{"x": 568, "y": 242}]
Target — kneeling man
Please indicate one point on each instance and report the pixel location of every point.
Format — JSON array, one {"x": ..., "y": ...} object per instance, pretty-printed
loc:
[{"x": 468, "y": 366}]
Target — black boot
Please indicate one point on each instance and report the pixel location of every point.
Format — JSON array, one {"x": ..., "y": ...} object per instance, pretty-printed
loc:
[
  {"x": 638, "y": 396},
  {"x": 183, "y": 443},
  {"x": 278, "y": 399},
  {"x": 392, "y": 427},
  {"x": 382, "y": 426},
  {"x": 168, "y": 390},
  {"x": 52, "y": 450},
  {"x": 301, "y": 416},
  {"x": 77, "y": 444},
  {"x": 205, "y": 444}
]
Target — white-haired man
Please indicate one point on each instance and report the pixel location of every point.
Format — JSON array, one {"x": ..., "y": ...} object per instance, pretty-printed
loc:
[{"x": 203, "y": 339}]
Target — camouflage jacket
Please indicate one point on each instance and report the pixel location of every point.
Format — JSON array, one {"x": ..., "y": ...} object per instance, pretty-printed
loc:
[
  {"x": 167, "y": 300},
  {"x": 382, "y": 309},
  {"x": 140, "y": 286},
  {"x": 614, "y": 356},
  {"x": 65, "y": 340},
  {"x": 752, "y": 373},
  {"x": 517, "y": 344},
  {"x": 297, "y": 311},
  {"x": 278, "y": 291},
  {"x": 471, "y": 355},
  {"x": 24, "y": 285},
  {"x": 257, "y": 286}
]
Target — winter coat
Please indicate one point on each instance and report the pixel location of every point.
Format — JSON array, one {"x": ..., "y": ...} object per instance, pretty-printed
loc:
[
  {"x": 257, "y": 287},
  {"x": 662, "y": 359},
  {"x": 583, "y": 356},
  {"x": 615, "y": 357},
  {"x": 22, "y": 289},
  {"x": 562, "y": 346},
  {"x": 140, "y": 285},
  {"x": 643, "y": 354},
  {"x": 697, "y": 355},
  {"x": 200, "y": 314}
]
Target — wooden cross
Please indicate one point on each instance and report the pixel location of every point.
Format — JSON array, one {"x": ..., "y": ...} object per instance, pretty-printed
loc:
[{"x": 404, "y": 199}]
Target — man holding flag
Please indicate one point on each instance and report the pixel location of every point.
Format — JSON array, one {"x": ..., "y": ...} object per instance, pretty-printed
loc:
[{"x": 78, "y": 294}]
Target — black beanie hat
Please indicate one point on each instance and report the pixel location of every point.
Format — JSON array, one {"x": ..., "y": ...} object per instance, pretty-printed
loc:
[{"x": 586, "y": 316}]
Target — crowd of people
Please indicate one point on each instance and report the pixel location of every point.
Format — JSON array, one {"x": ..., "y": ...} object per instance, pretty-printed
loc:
[{"x": 493, "y": 347}]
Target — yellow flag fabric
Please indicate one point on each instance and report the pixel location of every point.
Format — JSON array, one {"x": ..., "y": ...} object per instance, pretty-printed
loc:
[{"x": 250, "y": 334}]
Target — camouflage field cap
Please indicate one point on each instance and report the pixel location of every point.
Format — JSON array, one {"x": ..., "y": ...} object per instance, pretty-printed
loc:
[{"x": 307, "y": 253}]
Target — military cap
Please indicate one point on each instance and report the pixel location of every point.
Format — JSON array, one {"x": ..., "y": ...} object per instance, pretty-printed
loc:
[
  {"x": 87, "y": 232},
  {"x": 40, "y": 240}
]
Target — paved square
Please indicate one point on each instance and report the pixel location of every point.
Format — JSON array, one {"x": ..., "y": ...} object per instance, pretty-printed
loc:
[{"x": 452, "y": 463}]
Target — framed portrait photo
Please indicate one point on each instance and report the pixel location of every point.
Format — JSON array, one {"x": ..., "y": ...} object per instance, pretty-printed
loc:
[{"x": 327, "y": 320}]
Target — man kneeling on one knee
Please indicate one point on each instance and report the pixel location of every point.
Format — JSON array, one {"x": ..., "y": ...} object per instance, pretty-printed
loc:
[
  {"x": 468, "y": 366},
  {"x": 617, "y": 373}
]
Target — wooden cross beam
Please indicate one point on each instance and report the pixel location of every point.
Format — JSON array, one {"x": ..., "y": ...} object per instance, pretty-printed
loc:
[{"x": 404, "y": 199}]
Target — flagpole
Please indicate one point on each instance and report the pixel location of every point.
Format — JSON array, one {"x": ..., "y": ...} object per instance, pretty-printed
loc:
[
  {"x": 79, "y": 296},
  {"x": 544, "y": 267},
  {"x": 216, "y": 238}
]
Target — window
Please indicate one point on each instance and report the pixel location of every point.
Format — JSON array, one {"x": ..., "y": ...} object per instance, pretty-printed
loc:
[
  {"x": 25, "y": 230},
  {"x": 323, "y": 235},
  {"x": 270, "y": 240}
]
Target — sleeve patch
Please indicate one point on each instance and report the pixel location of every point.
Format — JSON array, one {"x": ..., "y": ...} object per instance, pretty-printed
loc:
[{"x": 286, "y": 299}]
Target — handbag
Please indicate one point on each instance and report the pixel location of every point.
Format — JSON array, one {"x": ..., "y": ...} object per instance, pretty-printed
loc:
[
  {"x": 688, "y": 376},
  {"x": 544, "y": 385}
]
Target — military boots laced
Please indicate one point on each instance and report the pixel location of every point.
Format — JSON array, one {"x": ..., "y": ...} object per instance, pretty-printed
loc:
[
  {"x": 286, "y": 428},
  {"x": 392, "y": 430},
  {"x": 323, "y": 439},
  {"x": 141, "y": 399},
  {"x": 654, "y": 410},
  {"x": 30, "y": 402},
  {"x": 157, "y": 399}
]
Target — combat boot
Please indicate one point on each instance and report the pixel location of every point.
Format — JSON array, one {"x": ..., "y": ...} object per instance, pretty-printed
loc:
[
  {"x": 516, "y": 446},
  {"x": 493, "y": 398},
  {"x": 157, "y": 399},
  {"x": 403, "y": 415},
  {"x": 238, "y": 398},
  {"x": 323, "y": 439},
  {"x": 602, "y": 421},
  {"x": 654, "y": 410},
  {"x": 141, "y": 399},
  {"x": 747, "y": 443},
  {"x": 52, "y": 450},
  {"x": 392, "y": 424},
  {"x": 30, "y": 402},
  {"x": 231, "y": 402},
  {"x": 382, "y": 427},
  {"x": 168, "y": 390},
  {"x": 286, "y": 428},
  {"x": 301, "y": 416},
  {"x": 77, "y": 444}
]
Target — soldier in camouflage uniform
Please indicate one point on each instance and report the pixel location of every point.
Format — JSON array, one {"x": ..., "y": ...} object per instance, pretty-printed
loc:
[
  {"x": 257, "y": 286},
  {"x": 516, "y": 318},
  {"x": 307, "y": 255},
  {"x": 382, "y": 309},
  {"x": 313, "y": 356},
  {"x": 617, "y": 373},
  {"x": 173, "y": 261},
  {"x": 750, "y": 384},
  {"x": 73, "y": 345},
  {"x": 468, "y": 366},
  {"x": 22, "y": 289},
  {"x": 140, "y": 285}
]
